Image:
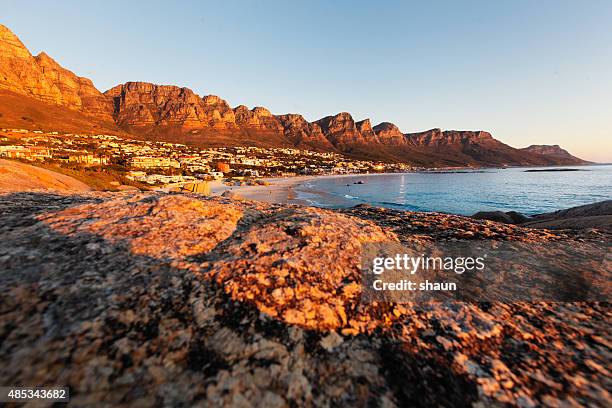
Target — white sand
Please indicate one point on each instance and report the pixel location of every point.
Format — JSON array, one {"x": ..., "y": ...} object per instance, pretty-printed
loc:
[{"x": 279, "y": 190}]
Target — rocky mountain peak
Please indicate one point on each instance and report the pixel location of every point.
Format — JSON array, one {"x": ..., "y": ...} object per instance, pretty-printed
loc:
[
  {"x": 160, "y": 94},
  {"x": 436, "y": 136},
  {"x": 10, "y": 45},
  {"x": 388, "y": 133},
  {"x": 465, "y": 136},
  {"x": 338, "y": 122},
  {"x": 243, "y": 115},
  {"x": 213, "y": 100},
  {"x": 342, "y": 130},
  {"x": 44, "y": 58},
  {"x": 258, "y": 119},
  {"x": 364, "y": 125},
  {"x": 149, "y": 88},
  {"x": 293, "y": 119},
  {"x": 365, "y": 128},
  {"x": 387, "y": 127},
  {"x": 261, "y": 112},
  {"x": 114, "y": 91},
  {"x": 555, "y": 152},
  {"x": 41, "y": 77},
  {"x": 145, "y": 104},
  {"x": 301, "y": 132},
  {"x": 343, "y": 117},
  {"x": 546, "y": 148}
]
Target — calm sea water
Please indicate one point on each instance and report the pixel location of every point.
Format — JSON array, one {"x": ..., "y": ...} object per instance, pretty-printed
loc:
[{"x": 465, "y": 192}]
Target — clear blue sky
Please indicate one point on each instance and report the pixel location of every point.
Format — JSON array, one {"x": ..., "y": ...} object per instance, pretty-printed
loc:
[{"x": 531, "y": 72}]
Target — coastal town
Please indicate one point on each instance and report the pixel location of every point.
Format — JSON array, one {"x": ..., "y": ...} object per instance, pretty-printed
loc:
[{"x": 155, "y": 164}]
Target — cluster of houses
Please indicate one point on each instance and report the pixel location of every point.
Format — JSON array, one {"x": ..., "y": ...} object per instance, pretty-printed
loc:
[
  {"x": 40, "y": 146},
  {"x": 158, "y": 163},
  {"x": 25, "y": 152}
]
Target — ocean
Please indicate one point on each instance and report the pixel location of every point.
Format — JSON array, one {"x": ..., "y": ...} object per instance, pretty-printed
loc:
[{"x": 465, "y": 192}]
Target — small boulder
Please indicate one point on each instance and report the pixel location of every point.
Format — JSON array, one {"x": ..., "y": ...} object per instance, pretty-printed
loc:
[{"x": 498, "y": 216}]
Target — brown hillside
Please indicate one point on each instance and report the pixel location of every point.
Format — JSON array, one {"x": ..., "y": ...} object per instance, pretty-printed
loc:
[{"x": 25, "y": 112}]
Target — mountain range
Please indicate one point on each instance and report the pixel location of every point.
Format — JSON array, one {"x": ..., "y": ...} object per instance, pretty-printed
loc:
[{"x": 37, "y": 92}]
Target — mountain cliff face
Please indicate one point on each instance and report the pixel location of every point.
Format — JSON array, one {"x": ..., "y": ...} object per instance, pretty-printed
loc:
[
  {"x": 301, "y": 132},
  {"x": 140, "y": 104},
  {"x": 554, "y": 152},
  {"x": 365, "y": 128},
  {"x": 171, "y": 113},
  {"x": 437, "y": 137},
  {"x": 146, "y": 108},
  {"x": 341, "y": 129},
  {"x": 44, "y": 79},
  {"x": 257, "y": 118},
  {"x": 388, "y": 133}
]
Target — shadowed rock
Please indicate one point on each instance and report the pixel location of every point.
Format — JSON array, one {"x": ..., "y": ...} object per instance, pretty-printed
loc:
[
  {"x": 596, "y": 215},
  {"x": 510, "y": 217}
]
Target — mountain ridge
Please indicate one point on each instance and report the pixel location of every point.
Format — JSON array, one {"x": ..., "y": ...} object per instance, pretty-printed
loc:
[
  {"x": 43, "y": 78},
  {"x": 177, "y": 114},
  {"x": 555, "y": 151}
]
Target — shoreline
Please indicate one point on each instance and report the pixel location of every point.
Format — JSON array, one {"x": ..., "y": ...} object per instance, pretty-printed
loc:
[
  {"x": 281, "y": 190},
  {"x": 290, "y": 190}
]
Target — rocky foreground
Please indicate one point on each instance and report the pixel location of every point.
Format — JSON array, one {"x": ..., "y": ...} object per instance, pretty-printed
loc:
[{"x": 149, "y": 299}]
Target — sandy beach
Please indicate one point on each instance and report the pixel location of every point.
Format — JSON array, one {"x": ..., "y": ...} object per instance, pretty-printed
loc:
[{"x": 278, "y": 190}]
